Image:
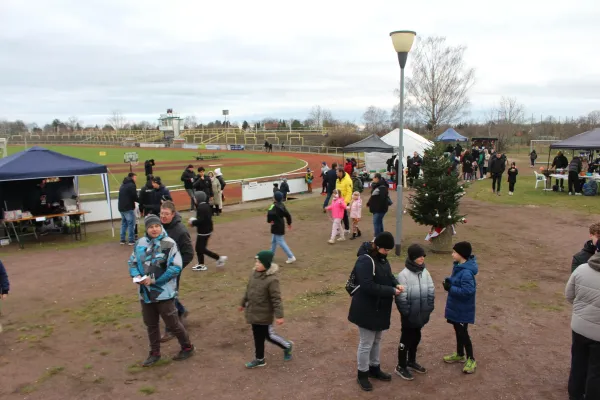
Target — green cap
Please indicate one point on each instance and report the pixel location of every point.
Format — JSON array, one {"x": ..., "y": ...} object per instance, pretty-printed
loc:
[{"x": 265, "y": 257}]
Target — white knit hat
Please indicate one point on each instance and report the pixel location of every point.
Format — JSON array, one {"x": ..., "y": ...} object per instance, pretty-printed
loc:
[{"x": 218, "y": 172}]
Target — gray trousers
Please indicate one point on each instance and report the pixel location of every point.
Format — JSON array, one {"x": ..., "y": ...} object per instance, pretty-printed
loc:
[
  {"x": 368, "y": 349},
  {"x": 190, "y": 193}
]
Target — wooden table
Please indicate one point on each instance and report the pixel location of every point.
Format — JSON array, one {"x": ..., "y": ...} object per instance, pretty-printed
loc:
[{"x": 76, "y": 233}]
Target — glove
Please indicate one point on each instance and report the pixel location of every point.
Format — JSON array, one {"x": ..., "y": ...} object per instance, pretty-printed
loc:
[{"x": 446, "y": 284}]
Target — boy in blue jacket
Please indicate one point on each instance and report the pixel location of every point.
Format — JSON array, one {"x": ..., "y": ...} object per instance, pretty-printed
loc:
[{"x": 460, "y": 305}]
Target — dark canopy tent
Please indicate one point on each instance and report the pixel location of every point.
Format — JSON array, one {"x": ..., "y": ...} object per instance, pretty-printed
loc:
[
  {"x": 370, "y": 144},
  {"x": 37, "y": 163},
  {"x": 589, "y": 140},
  {"x": 450, "y": 135}
]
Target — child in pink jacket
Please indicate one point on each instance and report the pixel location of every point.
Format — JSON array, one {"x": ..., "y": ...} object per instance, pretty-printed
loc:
[
  {"x": 337, "y": 207},
  {"x": 355, "y": 208}
]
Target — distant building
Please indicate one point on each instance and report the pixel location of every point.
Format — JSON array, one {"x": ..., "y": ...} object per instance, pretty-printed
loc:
[{"x": 170, "y": 124}]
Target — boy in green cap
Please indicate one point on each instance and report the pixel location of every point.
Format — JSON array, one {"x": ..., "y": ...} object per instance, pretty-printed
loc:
[{"x": 262, "y": 302}]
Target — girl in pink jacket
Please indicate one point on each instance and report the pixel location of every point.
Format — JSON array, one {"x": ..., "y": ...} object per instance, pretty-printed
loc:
[
  {"x": 337, "y": 207},
  {"x": 355, "y": 208}
]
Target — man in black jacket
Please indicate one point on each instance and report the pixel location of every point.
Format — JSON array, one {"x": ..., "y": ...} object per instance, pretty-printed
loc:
[
  {"x": 330, "y": 177},
  {"x": 560, "y": 162},
  {"x": 148, "y": 164},
  {"x": 203, "y": 184},
  {"x": 589, "y": 248},
  {"x": 127, "y": 199},
  {"x": 171, "y": 221},
  {"x": 145, "y": 196},
  {"x": 497, "y": 167},
  {"x": 378, "y": 202},
  {"x": 188, "y": 177}
]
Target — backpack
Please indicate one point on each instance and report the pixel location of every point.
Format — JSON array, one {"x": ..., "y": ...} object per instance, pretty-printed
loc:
[
  {"x": 351, "y": 284},
  {"x": 590, "y": 188}
]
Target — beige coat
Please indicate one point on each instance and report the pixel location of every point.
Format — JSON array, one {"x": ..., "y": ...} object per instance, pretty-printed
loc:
[
  {"x": 217, "y": 193},
  {"x": 583, "y": 291},
  {"x": 262, "y": 299}
]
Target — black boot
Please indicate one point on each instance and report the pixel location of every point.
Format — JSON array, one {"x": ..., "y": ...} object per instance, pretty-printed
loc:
[
  {"x": 363, "y": 381},
  {"x": 377, "y": 373},
  {"x": 353, "y": 236},
  {"x": 359, "y": 234}
]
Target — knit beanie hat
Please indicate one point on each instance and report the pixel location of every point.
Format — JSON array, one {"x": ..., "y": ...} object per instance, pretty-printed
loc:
[
  {"x": 415, "y": 251},
  {"x": 463, "y": 249},
  {"x": 151, "y": 219},
  {"x": 278, "y": 196},
  {"x": 265, "y": 257},
  {"x": 157, "y": 179},
  {"x": 385, "y": 240}
]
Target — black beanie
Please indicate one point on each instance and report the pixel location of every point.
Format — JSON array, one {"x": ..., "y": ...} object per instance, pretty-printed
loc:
[
  {"x": 463, "y": 249},
  {"x": 385, "y": 240},
  {"x": 415, "y": 251}
]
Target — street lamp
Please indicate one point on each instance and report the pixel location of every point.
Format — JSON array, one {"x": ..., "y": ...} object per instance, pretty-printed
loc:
[{"x": 403, "y": 41}]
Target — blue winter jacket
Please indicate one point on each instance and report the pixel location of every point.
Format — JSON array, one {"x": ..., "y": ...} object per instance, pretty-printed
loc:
[
  {"x": 460, "y": 305},
  {"x": 159, "y": 259},
  {"x": 4, "y": 284}
]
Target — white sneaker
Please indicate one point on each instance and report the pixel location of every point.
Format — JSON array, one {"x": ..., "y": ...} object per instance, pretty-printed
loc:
[
  {"x": 331, "y": 241},
  {"x": 290, "y": 260},
  {"x": 570, "y": 194},
  {"x": 199, "y": 267},
  {"x": 577, "y": 194},
  {"x": 221, "y": 261},
  {"x": 341, "y": 239}
]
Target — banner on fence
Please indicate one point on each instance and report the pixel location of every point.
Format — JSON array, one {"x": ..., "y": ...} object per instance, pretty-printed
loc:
[
  {"x": 223, "y": 147},
  {"x": 235, "y": 147},
  {"x": 190, "y": 146},
  {"x": 153, "y": 145},
  {"x": 212, "y": 147},
  {"x": 264, "y": 190}
]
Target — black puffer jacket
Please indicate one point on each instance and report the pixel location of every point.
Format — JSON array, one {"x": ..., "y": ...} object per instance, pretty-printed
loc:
[
  {"x": 371, "y": 306},
  {"x": 330, "y": 178},
  {"x": 378, "y": 202},
  {"x": 584, "y": 255},
  {"x": 203, "y": 184},
  {"x": 560, "y": 161},
  {"x": 203, "y": 222},
  {"x": 277, "y": 216},
  {"x": 145, "y": 196},
  {"x": 575, "y": 165},
  {"x": 127, "y": 195},
  {"x": 179, "y": 233}
]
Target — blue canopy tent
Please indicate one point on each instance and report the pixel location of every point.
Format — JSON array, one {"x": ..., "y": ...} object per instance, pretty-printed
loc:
[
  {"x": 40, "y": 163},
  {"x": 450, "y": 135}
]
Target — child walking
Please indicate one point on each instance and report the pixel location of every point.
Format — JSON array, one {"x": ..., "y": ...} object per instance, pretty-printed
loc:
[
  {"x": 277, "y": 216},
  {"x": 204, "y": 224},
  {"x": 338, "y": 208},
  {"x": 262, "y": 302},
  {"x": 355, "y": 208},
  {"x": 460, "y": 305},
  {"x": 512, "y": 178},
  {"x": 415, "y": 304}
]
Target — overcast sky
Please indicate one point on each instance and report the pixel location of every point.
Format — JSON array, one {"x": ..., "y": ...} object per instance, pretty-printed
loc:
[{"x": 265, "y": 58}]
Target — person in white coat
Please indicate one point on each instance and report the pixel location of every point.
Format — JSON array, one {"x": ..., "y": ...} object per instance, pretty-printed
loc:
[{"x": 583, "y": 291}]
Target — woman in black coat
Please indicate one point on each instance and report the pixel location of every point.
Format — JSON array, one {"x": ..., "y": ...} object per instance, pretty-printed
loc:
[{"x": 371, "y": 306}]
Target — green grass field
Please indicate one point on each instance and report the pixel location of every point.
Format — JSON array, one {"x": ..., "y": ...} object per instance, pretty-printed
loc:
[{"x": 171, "y": 176}]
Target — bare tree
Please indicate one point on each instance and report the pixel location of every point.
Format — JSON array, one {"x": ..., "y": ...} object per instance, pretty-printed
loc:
[
  {"x": 319, "y": 117},
  {"x": 438, "y": 88},
  {"x": 116, "y": 120},
  {"x": 510, "y": 112},
  {"x": 505, "y": 120},
  {"x": 593, "y": 118},
  {"x": 74, "y": 123},
  {"x": 190, "y": 122},
  {"x": 377, "y": 120}
]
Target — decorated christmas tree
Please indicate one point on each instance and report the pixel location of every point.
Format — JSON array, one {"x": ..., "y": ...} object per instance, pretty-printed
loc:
[{"x": 436, "y": 198}]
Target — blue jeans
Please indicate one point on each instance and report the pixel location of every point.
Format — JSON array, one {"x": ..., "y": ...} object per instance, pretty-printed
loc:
[
  {"x": 378, "y": 223},
  {"x": 280, "y": 240},
  {"x": 327, "y": 199},
  {"x": 127, "y": 224}
]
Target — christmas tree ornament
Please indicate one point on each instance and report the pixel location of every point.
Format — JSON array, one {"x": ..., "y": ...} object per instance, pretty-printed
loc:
[
  {"x": 426, "y": 194},
  {"x": 449, "y": 216},
  {"x": 437, "y": 215}
]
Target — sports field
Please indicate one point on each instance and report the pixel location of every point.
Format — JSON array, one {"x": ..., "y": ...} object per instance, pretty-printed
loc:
[{"x": 170, "y": 163}]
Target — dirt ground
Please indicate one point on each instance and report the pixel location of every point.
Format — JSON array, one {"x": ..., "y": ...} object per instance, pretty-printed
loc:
[{"x": 73, "y": 328}]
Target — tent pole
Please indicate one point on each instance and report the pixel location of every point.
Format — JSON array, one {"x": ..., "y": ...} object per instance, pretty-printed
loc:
[{"x": 106, "y": 185}]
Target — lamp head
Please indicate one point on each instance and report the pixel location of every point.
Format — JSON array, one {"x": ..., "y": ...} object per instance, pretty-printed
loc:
[{"x": 403, "y": 40}]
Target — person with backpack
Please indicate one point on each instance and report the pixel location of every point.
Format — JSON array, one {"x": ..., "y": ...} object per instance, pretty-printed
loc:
[
  {"x": 415, "y": 305},
  {"x": 357, "y": 183},
  {"x": 374, "y": 289}
]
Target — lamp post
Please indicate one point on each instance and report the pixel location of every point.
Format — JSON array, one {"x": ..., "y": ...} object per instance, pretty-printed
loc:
[{"x": 402, "y": 41}]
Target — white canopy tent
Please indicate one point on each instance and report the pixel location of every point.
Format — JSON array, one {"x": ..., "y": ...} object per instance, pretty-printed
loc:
[{"x": 411, "y": 142}]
